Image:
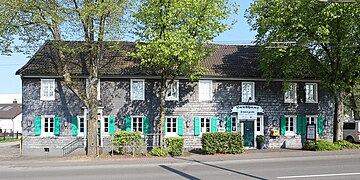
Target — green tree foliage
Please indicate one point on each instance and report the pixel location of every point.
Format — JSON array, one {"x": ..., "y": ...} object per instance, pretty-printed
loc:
[
  {"x": 326, "y": 40},
  {"x": 30, "y": 22},
  {"x": 175, "y": 37}
]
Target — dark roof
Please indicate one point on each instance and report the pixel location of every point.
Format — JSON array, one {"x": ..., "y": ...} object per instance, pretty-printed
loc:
[
  {"x": 226, "y": 61},
  {"x": 9, "y": 111}
]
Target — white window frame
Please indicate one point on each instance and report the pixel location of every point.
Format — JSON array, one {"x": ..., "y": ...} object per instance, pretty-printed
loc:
[
  {"x": 132, "y": 97},
  {"x": 172, "y": 133},
  {"x": 234, "y": 127},
  {"x": 260, "y": 119},
  {"x": 47, "y": 134},
  {"x": 312, "y": 118},
  {"x": 50, "y": 89},
  {"x": 203, "y": 127},
  {"x": 288, "y": 132},
  {"x": 244, "y": 97},
  {"x": 202, "y": 97},
  {"x": 103, "y": 125},
  {"x": 291, "y": 90},
  {"x": 87, "y": 88},
  {"x": 137, "y": 126},
  {"x": 314, "y": 99},
  {"x": 79, "y": 125},
  {"x": 174, "y": 96}
]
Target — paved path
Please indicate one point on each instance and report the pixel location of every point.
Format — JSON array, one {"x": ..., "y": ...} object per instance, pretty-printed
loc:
[{"x": 9, "y": 150}]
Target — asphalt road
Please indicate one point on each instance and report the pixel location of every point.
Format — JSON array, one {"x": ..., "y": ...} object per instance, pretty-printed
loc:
[{"x": 282, "y": 164}]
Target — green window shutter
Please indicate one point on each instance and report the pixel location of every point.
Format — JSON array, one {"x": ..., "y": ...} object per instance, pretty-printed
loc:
[
  {"x": 37, "y": 125},
  {"x": 128, "y": 123},
  {"x": 165, "y": 125},
  {"x": 180, "y": 123},
  {"x": 282, "y": 125},
  {"x": 146, "y": 125},
  {"x": 213, "y": 124},
  {"x": 298, "y": 125},
  {"x": 320, "y": 124},
  {"x": 57, "y": 126},
  {"x": 74, "y": 126},
  {"x": 228, "y": 124},
  {"x": 196, "y": 126},
  {"x": 111, "y": 125},
  {"x": 303, "y": 124}
]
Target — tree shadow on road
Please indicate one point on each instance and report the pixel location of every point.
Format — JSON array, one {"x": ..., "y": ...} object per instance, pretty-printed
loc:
[{"x": 187, "y": 176}]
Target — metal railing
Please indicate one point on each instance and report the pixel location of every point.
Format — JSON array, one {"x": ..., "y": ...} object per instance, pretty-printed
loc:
[{"x": 73, "y": 145}]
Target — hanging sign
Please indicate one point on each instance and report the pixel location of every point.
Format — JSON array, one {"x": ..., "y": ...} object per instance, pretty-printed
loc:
[{"x": 247, "y": 111}]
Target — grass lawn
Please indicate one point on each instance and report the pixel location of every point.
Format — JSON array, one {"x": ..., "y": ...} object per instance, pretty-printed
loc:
[{"x": 2, "y": 140}]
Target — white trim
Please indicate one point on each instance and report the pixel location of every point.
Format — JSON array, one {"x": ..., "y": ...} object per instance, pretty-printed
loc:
[
  {"x": 261, "y": 132},
  {"x": 103, "y": 125},
  {"x": 252, "y": 92},
  {"x": 292, "y": 89},
  {"x": 172, "y": 134},
  {"x": 85, "y": 125},
  {"x": 293, "y": 132},
  {"x": 43, "y": 133},
  {"x": 201, "y": 97},
  {"x": 142, "y": 123},
  {"x": 131, "y": 89},
  {"x": 307, "y": 100},
  {"x": 50, "y": 91},
  {"x": 172, "y": 98}
]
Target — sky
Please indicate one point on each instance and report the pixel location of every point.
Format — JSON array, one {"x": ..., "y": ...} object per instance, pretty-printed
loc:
[{"x": 11, "y": 83}]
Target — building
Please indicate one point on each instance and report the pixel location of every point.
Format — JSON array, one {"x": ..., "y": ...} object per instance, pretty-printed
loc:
[
  {"x": 10, "y": 118},
  {"x": 231, "y": 96}
]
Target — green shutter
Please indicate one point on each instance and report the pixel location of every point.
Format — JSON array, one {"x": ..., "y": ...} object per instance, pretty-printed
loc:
[
  {"x": 301, "y": 125},
  {"x": 213, "y": 124},
  {"x": 74, "y": 126},
  {"x": 111, "y": 125},
  {"x": 146, "y": 125},
  {"x": 165, "y": 125},
  {"x": 128, "y": 123},
  {"x": 180, "y": 123},
  {"x": 320, "y": 124},
  {"x": 282, "y": 125},
  {"x": 304, "y": 124},
  {"x": 57, "y": 126},
  {"x": 37, "y": 125},
  {"x": 196, "y": 126},
  {"x": 228, "y": 124}
]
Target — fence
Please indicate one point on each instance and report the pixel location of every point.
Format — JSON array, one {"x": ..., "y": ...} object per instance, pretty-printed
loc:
[{"x": 8, "y": 133}]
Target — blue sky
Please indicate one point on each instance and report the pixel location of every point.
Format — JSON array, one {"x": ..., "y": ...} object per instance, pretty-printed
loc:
[{"x": 11, "y": 84}]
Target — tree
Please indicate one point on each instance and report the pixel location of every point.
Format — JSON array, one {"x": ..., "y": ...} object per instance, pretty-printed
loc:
[
  {"x": 91, "y": 21},
  {"x": 326, "y": 48},
  {"x": 175, "y": 36}
]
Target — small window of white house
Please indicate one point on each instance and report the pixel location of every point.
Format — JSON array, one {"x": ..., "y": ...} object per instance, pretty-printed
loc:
[
  {"x": 290, "y": 126},
  {"x": 311, "y": 92},
  {"x": 205, "y": 90},
  {"x": 171, "y": 124},
  {"x": 48, "y": 123},
  {"x": 88, "y": 89},
  {"x": 248, "y": 92},
  {"x": 137, "y": 89},
  {"x": 172, "y": 93},
  {"x": 47, "y": 91},
  {"x": 290, "y": 93},
  {"x": 137, "y": 123},
  {"x": 205, "y": 124}
]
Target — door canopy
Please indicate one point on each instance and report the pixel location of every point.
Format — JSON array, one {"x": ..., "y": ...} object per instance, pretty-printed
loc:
[{"x": 247, "y": 111}]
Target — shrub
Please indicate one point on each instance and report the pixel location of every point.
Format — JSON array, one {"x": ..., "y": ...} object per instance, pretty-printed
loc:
[
  {"x": 260, "y": 138},
  {"x": 321, "y": 145},
  {"x": 222, "y": 142},
  {"x": 158, "y": 152},
  {"x": 176, "y": 146},
  {"x": 347, "y": 145},
  {"x": 124, "y": 139}
]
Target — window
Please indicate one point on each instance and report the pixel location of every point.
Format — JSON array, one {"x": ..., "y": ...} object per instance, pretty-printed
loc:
[
  {"x": 290, "y": 125},
  {"x": 81, "y": 124},
  {"x": 259, "y": 125},
  {"x": 171, "y": 124},
  {"x": 205, "y": 125},
  {"x": 106, "y": 125},
  {"x": 311, "y": 93},
  {"x": 137, "y": 89},
  {"x": 47, "y": 89},
  {"x": 48, "y": 124},
  {"x": 205, "y": 90},
  {"x": 311, "y": 119},
  {"x": 248, "y": 92},
  {"x": 172, "y": 93},
  {"x": 88, "y": 89},
  {"x": 137, "y": 123},
  {"x": 233, "y": 124},
  {"x": 290, "y": 93},
  {"x": 349, "y": 125}
]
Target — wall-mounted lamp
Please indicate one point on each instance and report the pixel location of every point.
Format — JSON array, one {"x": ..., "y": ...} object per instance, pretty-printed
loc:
[
  {"x": 28, "y": 123},
  {"x": 325, "y": 123},
  {"x": 65, "y": 123},
  {"x": 274, "y": 122},
  {"x": 221, "y": 122},
  {"x": 187, "y": 124},
  {"x": 119, "y": 123}
]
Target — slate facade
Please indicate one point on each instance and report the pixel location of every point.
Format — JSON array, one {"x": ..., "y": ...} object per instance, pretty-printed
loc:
[{"x": 228, "y": 68}]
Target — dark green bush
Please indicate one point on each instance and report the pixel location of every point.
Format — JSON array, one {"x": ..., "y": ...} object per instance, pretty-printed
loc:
[
  {"x": 176, "y": 146},
  {"x": 222, "y": 142},
  {"x": 158, "y": 152},
  {"x": 347, "y": 145},
  {"x": 321, "y": 145},
  {"x": 127, "y": 140}
]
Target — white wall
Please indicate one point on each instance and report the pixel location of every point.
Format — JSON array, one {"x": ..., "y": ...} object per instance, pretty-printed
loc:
[
  {"x": 17, "y": 123},
  {"x": 9, "y": 98},
  {"x": 6, "y": 124}
]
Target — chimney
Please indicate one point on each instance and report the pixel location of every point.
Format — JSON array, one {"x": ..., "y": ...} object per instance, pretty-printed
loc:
[{"x": 14, "y": 101}]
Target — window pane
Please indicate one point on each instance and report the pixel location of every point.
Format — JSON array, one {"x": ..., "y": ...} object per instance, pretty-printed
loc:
[
  {"x": 137, "y": 89},
  {"x": 247, "y": 92}
]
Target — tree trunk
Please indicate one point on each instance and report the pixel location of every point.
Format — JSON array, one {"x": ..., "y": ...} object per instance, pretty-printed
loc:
[
  {"x": 339, "y": 116},
  {"x": 354, "y": 106},
  {"x": 92, "y": 146},
  {"x": 162, "y": 110}
]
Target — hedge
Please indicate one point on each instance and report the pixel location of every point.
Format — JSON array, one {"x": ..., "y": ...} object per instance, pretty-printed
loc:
[
  {"x": 176, "y": 146},
  {"x": 222, "y": 142}
]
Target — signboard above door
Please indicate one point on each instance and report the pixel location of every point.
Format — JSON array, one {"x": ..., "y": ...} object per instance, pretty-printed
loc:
[{"x": 247, "y": 111}]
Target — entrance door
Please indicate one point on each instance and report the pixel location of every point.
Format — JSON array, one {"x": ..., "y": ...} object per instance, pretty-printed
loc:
[{"x": 249, "y": 133}]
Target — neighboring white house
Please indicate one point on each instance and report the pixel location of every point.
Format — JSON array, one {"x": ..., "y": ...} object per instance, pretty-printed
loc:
[
  {"x": 10, "y": 98},
  {"x": 10, "y": 117}
]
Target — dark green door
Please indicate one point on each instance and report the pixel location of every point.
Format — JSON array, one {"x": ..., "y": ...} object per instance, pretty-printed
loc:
[{"x": 249, "y": 133}]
